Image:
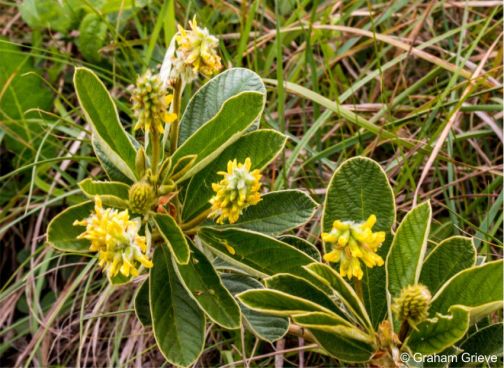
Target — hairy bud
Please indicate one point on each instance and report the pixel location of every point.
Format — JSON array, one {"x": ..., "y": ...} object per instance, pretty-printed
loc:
[
  {"x": 141, "y": 197},
  {"x": 413, "y": 303}
]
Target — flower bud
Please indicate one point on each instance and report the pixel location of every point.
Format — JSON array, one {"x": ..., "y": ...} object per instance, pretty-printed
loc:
[
  {"x": 141, "y": 197},
  {"x": 413, "y": 303}
]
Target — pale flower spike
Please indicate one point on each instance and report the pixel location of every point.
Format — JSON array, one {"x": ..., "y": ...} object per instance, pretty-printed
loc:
[
  {"x": 354, "y": 242},
  {"x": 236, "y": 191},
  {"x": 115, "y": 237},
  {"x": 151, "y": 103}
]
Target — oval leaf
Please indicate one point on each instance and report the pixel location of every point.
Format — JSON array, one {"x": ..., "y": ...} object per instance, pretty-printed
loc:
[
  {"x": 236, "y": 115},
  {"x": 208, "y": 100},
  {"x": 342, "y": 290},
  {"x": 486, "y": 341},
  {"x": 259, "y": 254},
  {"x": 268, "y": 328},
  {"x": 436, "y": 334},
  {"x": 358, "y": 189},
  {"x": 298, "y": 287},
  {"x": 261, "y": 146},
  {"x": 303, "y": 245},
  {"x": 445, "y": 260},
  {"x": 479, "y": 288},
  {"x": 142, "y": 305},
  {"x": 112, "y": 193},
  {"x": 405, "y": 258},
  {"x": 279, "y": 303},
  {"x": 62, "y": 234},
  {"x": 173, "y": 236},
  {"x": 205, "y": 286},
  {"x": 101, "y": 113},
  {"x": 177, "y": 321},
  {"x": 278, "y": 212}
]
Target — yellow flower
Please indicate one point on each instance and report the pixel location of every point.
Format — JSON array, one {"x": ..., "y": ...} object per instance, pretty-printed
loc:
[
  {"x": 197, "y": 48},
  {"x": 151, "y": 103},
  {"x": 115, "y": 237},
  {"x": 238, "y": 190},
  {"x": 354, "y": 242}
]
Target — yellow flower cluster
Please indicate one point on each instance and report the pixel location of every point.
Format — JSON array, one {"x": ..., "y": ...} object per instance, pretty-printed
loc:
[
  {"x": 115, "y": 237},
  {"x": 151, "y": 103},
  {"x": 197, "y": 48},
  {"x": 236, "y": 191},
  {"x": 352, "y": 242}
]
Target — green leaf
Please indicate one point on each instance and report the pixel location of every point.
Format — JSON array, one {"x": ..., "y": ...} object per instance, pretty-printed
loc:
[
  {"x": 208, "y": 100},
  {"x": 257, "y": 253},
  {"x": 317, "y": 319},
  {"x": 173, "y": 236},
  {"x": 486, "y": 341},
  {"x": 406, "y": 255},
  {"x": 341, "y": 289},
  {"x": 101, "y": 114},
  {"x": 23, "y": 89},
  {"x": 109, "y": 161},
  {"x": 303, "y": 245},
  {"x": 436, "y": 334},
  {"x": 279, "y": 303},
  {"x": 342, "y": 342},
  {"x": 177, "y": 321},
  {"x": 142, "y": 305},
  {"x": 236, "y": 115},
  {"x": 92, "y": 34},
  {"x": 479, "y": 288},
  {"x": 62, "y": 234},
  {"x": 445, "y": 260},
  {"x": 112, "y": 193},
  {"x": 112, "y": 6},
  {"x": 358, "y": 189},
  {"x": 204, "y": 285},
  {"x": 278, "y": 212},
  {"x": 268, "y": 328},
  {"x": 261, "y": 146},
  {"x": 55, "y": 15},
  {"x": 301, "y": 288}
]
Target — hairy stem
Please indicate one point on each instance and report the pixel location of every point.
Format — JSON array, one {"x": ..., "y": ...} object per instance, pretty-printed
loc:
[
  {"x": 155, "y": 141},
  {"x": 174, "y": 130},
  {"x": 195, "y": 221},
  {"x": 358, "y": 289}
]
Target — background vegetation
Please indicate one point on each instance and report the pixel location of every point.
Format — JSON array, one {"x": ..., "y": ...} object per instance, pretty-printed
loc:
[{"x": 415, "y": 84}]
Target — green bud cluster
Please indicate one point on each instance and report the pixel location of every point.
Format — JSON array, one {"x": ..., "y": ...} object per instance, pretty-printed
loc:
[
  {"x": 141, "y": 197},
  {"x": 413, "y": 304}
]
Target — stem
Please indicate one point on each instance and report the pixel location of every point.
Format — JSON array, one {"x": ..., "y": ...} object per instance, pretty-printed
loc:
[
  {"x": 195, "y": 221},
  {"x": 155, "y": 151},
  {"x": 358, "y": 289},
  {"x": 403, "y": 331},
  {"x": 174, "y": 131}
]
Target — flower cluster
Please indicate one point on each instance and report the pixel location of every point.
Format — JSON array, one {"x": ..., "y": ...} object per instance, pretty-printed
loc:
[
  {"x": 197, "y": 48},
  {"x": 412, "y": 305},
  {"x": 236, "y": 191},
  {"x": 151, "y": 103},
  {"x": 115, "y": 237},
  {"x": 352, "y": 242}
]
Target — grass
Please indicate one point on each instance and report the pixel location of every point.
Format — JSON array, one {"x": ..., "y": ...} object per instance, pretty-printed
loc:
[{"x": 413, "y": 84}]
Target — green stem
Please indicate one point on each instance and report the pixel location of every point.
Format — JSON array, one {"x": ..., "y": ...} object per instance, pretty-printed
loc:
[
  {"x": 358, "y": 289},
  {"x": 155, "y": 141},
  {"x": 195, "y": 221},
  {"x": 174, "y": 130}
]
